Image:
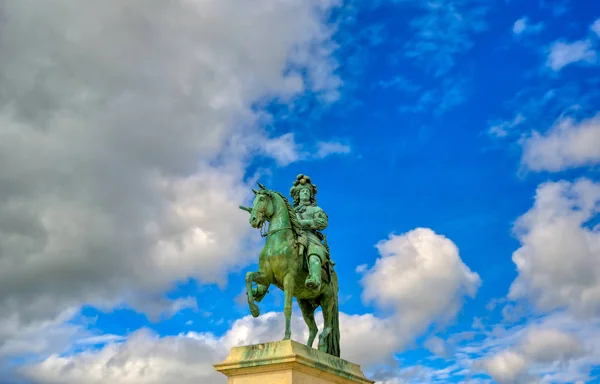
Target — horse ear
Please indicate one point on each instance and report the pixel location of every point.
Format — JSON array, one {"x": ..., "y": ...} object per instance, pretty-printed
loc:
[
  {"x": 255, "y": 191},
  {"x": 261, "y": 186}
]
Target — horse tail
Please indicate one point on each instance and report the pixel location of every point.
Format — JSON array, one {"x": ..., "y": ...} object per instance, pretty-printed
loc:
[{"x": 332, "y": 340}]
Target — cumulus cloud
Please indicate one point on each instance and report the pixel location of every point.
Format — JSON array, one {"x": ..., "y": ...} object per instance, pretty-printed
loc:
[
  {"x": 436, "y": 280},
  {"x": 558, "y": 263},
  {"x": 144, "y": 357},
  {"x": 421, "y": 277},
  {"x": 542, "y": 352},
  {"x": 557, "y": 348},
  {"x": 148, "y": 357},
  {"x": 569, "y": 143},
  {"x": 564, "y": 53},
  {"x": 188, "y": 357},
  {"x": 506, "y": 367},
  {"x": 124, "y": 130},
  {"x": 549, "y": 345},
  {"x": 550, "y": 349}
]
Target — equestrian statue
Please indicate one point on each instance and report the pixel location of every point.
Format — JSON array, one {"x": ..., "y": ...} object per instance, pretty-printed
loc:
[{"x": 296, "y": 259}]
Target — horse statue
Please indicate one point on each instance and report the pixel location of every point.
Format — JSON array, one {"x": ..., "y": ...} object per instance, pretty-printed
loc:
[{"x": 282, "y": 262}]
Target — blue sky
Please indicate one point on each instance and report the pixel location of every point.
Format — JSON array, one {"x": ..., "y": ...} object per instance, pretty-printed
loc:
[{"x": 455, "y": 143}]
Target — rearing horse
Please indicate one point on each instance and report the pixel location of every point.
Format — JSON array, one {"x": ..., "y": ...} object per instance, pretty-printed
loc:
[{"x": 281, "y": 264}]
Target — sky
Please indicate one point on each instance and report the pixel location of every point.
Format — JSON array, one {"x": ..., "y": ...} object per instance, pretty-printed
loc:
[{"x": 455, "y": 145}]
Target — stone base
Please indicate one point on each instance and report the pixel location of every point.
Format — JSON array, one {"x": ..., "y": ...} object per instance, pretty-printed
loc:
[{"x": 287, "y": 362}]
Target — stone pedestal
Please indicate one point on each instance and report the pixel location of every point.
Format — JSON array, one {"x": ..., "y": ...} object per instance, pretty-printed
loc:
[{"x": 287, "y": 362}]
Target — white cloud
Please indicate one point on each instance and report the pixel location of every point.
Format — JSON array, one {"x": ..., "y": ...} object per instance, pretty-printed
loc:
[
  {"x": 596, "y": 27},
  {"x": 124, "y": 134},
  {"x": 437, "y": 346},
  {"x": 421, "y": 276},
  {"x": 101, "y": 339},
  {"x": 567, "y": 144},
  {"x": 285, "y": 150},
  {"x": 562, "y": 54},
  {"x": 506, "y": 367},
  {"x": 361, "y": 268},
  {"x": 504, "y": 128},
  {"x": 327, "y": 148},
  {"x": 549, "y": 345},
  {"x": 558, "y": 263},
  {"x": 188, "y": 358},
  {"x": 522, "y": 26},
  {"x": 144, "y": 357},
  {"x": 552, "y": 349}
]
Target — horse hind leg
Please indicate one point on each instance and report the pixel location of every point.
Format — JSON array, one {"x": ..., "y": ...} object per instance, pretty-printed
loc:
[
  {"x": 328, "y": 320},
  {"x": 261, "y": 279},
  {"x": 308, "y": 312},
  {"x": 288, "y": 289}
]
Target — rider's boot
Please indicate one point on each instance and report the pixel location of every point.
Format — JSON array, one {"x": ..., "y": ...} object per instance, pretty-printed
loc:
[{"x": 313, "y": 281}]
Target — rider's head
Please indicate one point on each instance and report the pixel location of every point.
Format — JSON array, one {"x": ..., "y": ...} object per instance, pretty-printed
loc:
[{"x": 303, "y": 191}]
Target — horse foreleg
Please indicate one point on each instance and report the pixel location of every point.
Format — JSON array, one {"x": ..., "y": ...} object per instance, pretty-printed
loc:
[
  {"x": 327, "y": 307},
  {"x": 250, "y": 277},
  {"x": 288, "y": 288},
  {"x": 308, "y": 312},
  {"x": 261, "y": 279}
]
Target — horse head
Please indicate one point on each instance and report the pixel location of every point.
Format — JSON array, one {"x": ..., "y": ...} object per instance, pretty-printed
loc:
[{"x": 262, "y": 207}]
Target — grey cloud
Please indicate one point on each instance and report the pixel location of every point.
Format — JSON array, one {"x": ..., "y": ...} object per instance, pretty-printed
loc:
[{"x": 124, "y": 129}]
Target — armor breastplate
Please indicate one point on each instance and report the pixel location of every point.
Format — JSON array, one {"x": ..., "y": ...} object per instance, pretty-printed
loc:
[{"x": 310, "y": 234}]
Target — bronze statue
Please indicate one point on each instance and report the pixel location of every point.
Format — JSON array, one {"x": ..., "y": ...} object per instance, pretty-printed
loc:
[
  {"x": 296, "y": 259},
  {"x": 313, "y": 220}
]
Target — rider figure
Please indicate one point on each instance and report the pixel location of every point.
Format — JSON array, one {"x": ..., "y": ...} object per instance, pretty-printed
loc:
[{"x": 313, "y": 220}]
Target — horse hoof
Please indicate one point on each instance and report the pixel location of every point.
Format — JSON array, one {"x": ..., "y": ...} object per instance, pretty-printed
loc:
[{"x": 254, "y": 310}]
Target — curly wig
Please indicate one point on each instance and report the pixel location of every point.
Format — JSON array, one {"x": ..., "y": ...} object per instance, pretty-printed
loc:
[{"x": 303, "y": 182}]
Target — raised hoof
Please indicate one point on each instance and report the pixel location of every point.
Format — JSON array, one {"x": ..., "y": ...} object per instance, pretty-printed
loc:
[
  {"x": 254, "y": 310},
  {"x": 257, "y": 295}
]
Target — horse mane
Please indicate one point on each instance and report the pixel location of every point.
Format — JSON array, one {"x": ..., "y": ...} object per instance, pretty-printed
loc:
[{"x": 296, "y": 227}]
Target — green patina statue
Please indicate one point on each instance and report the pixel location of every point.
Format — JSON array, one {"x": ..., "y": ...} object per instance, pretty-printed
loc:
[{"x": 296, "y": 259}]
